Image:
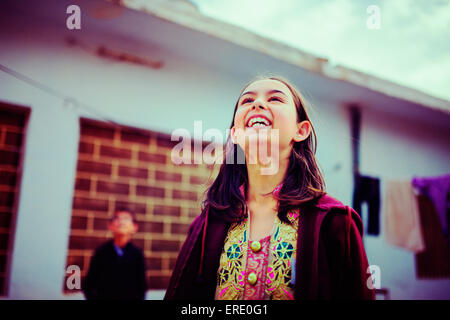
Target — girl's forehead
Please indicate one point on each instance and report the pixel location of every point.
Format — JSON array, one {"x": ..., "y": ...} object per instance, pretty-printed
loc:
[{"x": 267, "y": 84}]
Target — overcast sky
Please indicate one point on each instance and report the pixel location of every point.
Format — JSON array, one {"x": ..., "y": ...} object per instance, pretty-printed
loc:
[{"x": 411, "y": 47}]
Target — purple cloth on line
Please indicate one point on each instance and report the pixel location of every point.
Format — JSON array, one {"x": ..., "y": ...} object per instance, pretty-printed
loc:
[{"x": 436, "y": 189}]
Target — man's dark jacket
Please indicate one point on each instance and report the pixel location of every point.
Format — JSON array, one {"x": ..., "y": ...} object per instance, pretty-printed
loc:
[
  {"x": 331, "y": 260},
  {"x": 113, "y": 277}
]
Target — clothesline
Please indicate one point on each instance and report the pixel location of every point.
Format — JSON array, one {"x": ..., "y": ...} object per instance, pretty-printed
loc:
[
  {"x": 368, "y": 189},
  {"x": 55, "y": 93},
  {"x": 410, "y": 222}
]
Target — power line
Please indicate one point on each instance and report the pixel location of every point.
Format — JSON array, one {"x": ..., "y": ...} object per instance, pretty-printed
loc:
[{"x": 56, "y": 93}]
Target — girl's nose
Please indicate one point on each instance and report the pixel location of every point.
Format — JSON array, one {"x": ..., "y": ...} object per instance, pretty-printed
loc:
[{"x": 258, "y": 105}]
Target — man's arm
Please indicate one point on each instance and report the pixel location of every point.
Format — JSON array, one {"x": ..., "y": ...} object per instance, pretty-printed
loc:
[
  {"x": 90, "y": 287},
  {"x": 142, "y": 279}
]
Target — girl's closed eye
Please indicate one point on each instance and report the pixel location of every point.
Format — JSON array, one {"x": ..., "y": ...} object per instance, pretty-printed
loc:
[
  {"x": 246, "y": 100},
  {"x": 276, "y": 98}
]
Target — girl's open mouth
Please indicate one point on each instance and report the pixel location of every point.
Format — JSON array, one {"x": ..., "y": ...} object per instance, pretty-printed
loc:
[{"x": 258, "y": 121}]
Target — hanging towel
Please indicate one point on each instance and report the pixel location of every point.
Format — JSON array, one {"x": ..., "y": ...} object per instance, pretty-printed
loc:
[
  {"x": 367, "y": 189},
  {"x": 402, "y": 220},
  {"x": 437, "y": 190}
]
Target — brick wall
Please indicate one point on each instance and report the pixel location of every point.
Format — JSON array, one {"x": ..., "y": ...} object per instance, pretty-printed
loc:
[
  {"x": 128, "y": 166},
  {"x": 12, "y": 127}
]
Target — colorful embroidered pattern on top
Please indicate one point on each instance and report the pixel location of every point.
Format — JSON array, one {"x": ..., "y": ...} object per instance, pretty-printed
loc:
[
  {"x": 283, "y": 250},
  {"x": 232, "y": 272},
  {"x": 231, "y": 275}
]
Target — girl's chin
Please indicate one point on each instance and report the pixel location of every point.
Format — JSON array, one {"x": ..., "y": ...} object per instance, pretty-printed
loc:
[
  {"x": 259, "y": 134},
  {"x": 256, "y": 143}
]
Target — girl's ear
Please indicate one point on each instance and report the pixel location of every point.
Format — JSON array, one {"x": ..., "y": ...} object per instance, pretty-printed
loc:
[
  {"x": 303, "y": 131},
  {"x": 233, "y": 138}
]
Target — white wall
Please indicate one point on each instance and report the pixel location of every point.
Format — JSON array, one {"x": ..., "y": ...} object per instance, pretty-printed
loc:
[{"x": 173, "y": 97}]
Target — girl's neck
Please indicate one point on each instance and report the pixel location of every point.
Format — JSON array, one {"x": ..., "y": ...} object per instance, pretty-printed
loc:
[{"x": 260, "y": 184}]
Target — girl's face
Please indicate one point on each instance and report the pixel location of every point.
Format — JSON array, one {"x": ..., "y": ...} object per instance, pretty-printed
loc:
[{"x": 267, "y": 105}]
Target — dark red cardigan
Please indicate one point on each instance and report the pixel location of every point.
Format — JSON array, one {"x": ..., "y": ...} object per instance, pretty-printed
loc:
[{"x": 331, "y": 260}]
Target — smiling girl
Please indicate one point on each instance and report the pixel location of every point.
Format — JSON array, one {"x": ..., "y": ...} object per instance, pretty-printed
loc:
[{"x": 278, "y": 235}]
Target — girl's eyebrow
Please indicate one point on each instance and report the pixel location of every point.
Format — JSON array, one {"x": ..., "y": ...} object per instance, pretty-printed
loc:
[{"x": 268, "y": 92}]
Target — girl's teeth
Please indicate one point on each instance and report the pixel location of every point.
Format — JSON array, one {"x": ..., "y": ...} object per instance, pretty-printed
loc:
[
  {"x": 263, "y": 122},
  {"x": 260, "y": 125}
]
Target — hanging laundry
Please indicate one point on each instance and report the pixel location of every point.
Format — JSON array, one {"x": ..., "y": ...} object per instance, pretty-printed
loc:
[
  {"x": 434, "y": 262},
  {"x": 401, "y": 216},
  {"x": 437, "y": 189},
  {"x": 367, "y": 189}
]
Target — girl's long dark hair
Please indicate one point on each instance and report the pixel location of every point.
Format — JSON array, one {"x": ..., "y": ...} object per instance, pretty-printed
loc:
[{"x": 302, "y": 183}]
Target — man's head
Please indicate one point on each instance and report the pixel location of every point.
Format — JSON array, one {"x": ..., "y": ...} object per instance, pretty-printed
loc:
[{"x": 123, "y": 222}]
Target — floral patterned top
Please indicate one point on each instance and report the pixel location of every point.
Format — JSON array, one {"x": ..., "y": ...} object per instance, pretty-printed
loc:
[
  {"x": 273, "y": 273},
  {"x": 266, "y": 271}
]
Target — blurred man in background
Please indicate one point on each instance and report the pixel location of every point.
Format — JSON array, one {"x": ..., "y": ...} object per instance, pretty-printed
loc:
[{"x": 117, "y": 268}]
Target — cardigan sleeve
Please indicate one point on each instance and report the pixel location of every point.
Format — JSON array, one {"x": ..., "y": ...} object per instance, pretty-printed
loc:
[
  {"x": 346, "y": 258},
  {"x": 173, "y": 291}
]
